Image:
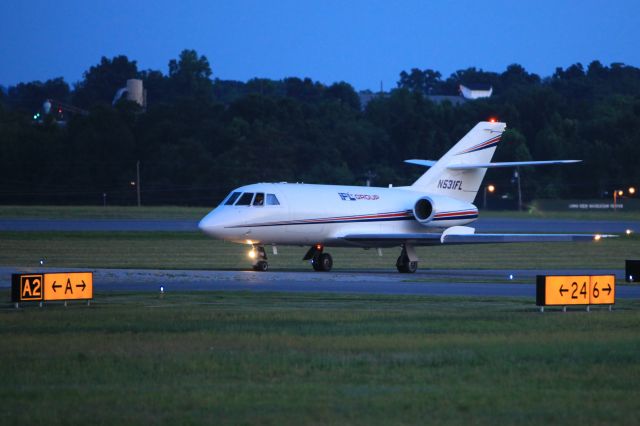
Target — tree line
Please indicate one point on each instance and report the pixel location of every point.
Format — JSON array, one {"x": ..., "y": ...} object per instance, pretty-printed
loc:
[{"x": 200, "y": 136}]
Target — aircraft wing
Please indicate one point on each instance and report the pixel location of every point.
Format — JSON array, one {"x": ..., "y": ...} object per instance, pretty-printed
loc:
[{"x": 431, "y": 239}]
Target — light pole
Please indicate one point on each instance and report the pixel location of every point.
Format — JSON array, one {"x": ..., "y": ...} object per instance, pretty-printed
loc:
[
  {"x": 516, "y": 175},
  {"x": 138, "y": 181},
  {"x": 618, "y": 193},
  {"x": 489, "y": 188}
]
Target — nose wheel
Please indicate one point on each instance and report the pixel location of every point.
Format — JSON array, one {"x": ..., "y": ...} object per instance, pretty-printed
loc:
[{"x": 260, "y": 263}]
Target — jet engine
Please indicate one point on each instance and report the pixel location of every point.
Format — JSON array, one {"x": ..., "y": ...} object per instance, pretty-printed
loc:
[
  {"x": 443, "y": 211},
  {"x": 424, "y": 210}
]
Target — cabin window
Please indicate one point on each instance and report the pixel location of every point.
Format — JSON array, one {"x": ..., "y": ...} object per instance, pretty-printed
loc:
[
  {"x": 232, "y": 198},
  {"x": 272, "y": 200},
  {"x": 245, "y": 200},
  {"x": 259, "y": 200}
]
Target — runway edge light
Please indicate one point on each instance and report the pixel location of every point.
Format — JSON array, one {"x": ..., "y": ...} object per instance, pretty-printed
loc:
[{"x": 631, "y": 270}]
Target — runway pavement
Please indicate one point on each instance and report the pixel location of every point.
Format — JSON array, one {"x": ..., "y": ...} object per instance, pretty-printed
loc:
[
  {"x": 435, "y": 282},
  {"x": 487, "y": 225}
]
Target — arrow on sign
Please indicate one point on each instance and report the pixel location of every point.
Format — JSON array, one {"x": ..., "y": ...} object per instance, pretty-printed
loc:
[
  {"x": 563, "y": 290},
  {"x": 607, "y": 289},
  {"x": 54, "y": 286},
  {"x": 81, "y": 286}
]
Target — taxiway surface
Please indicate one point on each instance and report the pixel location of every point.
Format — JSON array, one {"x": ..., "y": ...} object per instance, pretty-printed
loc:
[{"x": 434, "y": 282}]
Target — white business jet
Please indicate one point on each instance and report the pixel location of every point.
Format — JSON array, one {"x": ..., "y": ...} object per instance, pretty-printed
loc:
[{"x": 432, "y": 211}]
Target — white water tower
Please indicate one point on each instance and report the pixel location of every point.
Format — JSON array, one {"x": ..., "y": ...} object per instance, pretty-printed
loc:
[{"x": 134, "y": 91}]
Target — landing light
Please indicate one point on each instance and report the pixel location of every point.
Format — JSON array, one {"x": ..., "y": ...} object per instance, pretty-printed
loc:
[
  {"x": 628, "y": 232},
  {"x": 597, "y": 237},
  {"x": 252, "y": 254}
]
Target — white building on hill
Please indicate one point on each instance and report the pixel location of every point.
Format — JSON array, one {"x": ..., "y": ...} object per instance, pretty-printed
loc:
[{"x": 476, "y": 91}]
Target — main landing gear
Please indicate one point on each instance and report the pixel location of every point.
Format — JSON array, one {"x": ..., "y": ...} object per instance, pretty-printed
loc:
[
  {"x": 404, "y": 263},
  {"x": 259, "y": 257},
  {"x": 319, "y": 260}
]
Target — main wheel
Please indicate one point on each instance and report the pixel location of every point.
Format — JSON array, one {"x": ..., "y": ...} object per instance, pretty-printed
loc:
[
  {"x": 261, "y": 266},
  {"x": 405, "y": 266},
  {"x": 326, "y": 262}
]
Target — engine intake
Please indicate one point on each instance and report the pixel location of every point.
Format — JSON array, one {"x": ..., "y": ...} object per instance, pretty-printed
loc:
[{"x": 423, "y": 210}]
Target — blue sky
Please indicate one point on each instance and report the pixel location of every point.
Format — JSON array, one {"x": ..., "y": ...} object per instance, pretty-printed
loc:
[{"x": 360, "y": 42}]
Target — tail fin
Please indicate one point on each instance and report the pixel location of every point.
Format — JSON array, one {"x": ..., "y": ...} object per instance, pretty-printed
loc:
[{"x": 476, "y": 147}]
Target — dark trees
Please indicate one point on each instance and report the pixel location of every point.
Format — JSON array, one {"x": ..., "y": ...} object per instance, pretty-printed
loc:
[{"x": 199, "y": 137}]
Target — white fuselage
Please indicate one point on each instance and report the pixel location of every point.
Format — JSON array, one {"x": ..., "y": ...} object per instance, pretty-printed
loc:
[{"x": 323, "y": 214}]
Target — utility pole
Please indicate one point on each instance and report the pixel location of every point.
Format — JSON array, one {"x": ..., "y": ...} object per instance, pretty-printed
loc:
[
  {"x": 138, "y": 181},
  {"x": 370, "y": 176},
  {"x": 516, "y": 175}
]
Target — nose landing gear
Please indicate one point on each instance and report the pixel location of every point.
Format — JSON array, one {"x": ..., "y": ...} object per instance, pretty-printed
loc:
[
  {"x": 259, "y": 257},
  {"x": 320, "y": 261}
]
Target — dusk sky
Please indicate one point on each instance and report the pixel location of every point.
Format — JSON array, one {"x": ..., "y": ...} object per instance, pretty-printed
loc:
[{"x": 360, "y": 42}]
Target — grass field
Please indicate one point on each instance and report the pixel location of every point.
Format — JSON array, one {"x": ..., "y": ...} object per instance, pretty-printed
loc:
[
  {"x": 243, "y": 358},
  {"x": 192, "y": 250}
]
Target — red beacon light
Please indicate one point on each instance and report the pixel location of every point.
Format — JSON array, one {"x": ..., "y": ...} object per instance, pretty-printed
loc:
[{"x": 492, "y": 120}]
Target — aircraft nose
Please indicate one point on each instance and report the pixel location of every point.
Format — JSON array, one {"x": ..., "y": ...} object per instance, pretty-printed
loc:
[
  {"x": 209, "y": 224},
  {"x": 214, "y": 224}
]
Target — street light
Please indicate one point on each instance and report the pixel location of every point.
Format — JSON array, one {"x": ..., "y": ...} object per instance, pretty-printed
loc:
[
  {"x": 489, "y": 188},
  {"x": 632, "y": 190},
  {"x": 618, "y": 193}
]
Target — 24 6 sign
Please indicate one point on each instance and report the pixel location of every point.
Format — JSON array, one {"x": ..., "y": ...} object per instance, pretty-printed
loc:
[{"x": 565, "y": 290}]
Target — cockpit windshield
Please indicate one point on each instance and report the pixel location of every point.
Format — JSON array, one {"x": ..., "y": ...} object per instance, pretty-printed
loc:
[
  {"x": 245, "y": 200},
  {"x": 259, "y": 200},
  {"x": 232, "y": 198},
  {"x": 251, "y": 199}
]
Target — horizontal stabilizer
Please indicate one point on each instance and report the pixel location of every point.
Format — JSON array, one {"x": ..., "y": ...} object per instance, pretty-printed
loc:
[
  {"x": 508, "y": 164},
  {"x": 426, "y": 163}
]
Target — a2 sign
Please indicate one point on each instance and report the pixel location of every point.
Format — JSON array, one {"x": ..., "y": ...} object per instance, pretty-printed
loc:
[
  {"x": 42, "y": 287},
  {"x": 562, "y": 290}
]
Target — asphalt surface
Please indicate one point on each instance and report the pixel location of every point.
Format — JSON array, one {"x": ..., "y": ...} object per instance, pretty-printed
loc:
[
  {"x": 486, "y": 225},
  {"x": 435, "y": 282}
]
